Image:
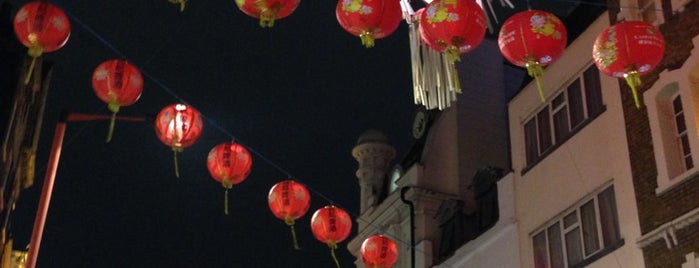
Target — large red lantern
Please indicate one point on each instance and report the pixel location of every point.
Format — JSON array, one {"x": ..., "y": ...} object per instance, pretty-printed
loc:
[
  {"x": 178, "y": 126},
  {"x": 289, "y": 200},
  {"x": 369, "y": 19},
  {"x": 533, "y": 39},
  {"x": 379, "y": 252},
  {"x": 41, "y": 27},
  {"x": 117, "y": 83},
  {"x": 629, "y": 50},
  {"x": 229, "y": 163},
  {"x": 267, "y": 10},
  {"x": 331, "y": 225},
  {"x": 453, "y": 27}
]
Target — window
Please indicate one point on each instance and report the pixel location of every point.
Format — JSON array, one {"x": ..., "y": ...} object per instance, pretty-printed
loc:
[
  {"x": 565, "y": 114},
  {"x": 581, "y": 236}
]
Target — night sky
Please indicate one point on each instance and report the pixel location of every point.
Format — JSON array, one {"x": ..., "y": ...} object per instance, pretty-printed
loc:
[{"x": 298, "y": 95}]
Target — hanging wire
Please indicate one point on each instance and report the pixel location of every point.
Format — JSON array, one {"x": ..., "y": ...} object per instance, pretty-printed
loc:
[{"x": 171, "y": 92}]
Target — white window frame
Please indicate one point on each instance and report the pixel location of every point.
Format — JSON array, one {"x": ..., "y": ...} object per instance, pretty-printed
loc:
[{"x": 686, "y": 80}]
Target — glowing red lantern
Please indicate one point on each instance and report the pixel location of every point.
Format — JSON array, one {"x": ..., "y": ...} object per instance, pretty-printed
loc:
[
  {"x": 379, "y": 252},
  {"x": 178, "y": 126},
  {"x": 629, "y": 50},
  {"x": 289, "y": 200},
  {"x": 331, "y": 225},
  {"x": 117, "y": 83},
  {"x": 533, "y": 39},
  {"x": 453, "y": 27},
  {"x": 41, "y": 27},
  {"x": 369, "y": 19},
  {"x": 267, "y": 10},
  {"x": 229, "y": 163}
]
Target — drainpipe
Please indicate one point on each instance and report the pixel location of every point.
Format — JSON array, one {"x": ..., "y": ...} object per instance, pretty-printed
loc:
[{"x": 410, "y": 204}]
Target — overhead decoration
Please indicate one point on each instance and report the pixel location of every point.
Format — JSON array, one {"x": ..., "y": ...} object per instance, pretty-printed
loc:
[
  {"x": 439, "y": 34},
  {"x": 533, "y": 39},
  {"x": 379, "y": 252},
  {"x": 180, "y": 2},
  {"x": 117, "y": 83},
  {"x": 369, "y": 19},
  {"x": 229, "y": 163},
  {"x": 41, "y": 27},
  {"x": 331, "y": 225},
  {"x": 178, "y": 126},
  {"x": 289, "y": 200},
  {"x": 628, "y": 50},
  {"x": 267, "y": 10},
  {"x": 453, "y": 27}
]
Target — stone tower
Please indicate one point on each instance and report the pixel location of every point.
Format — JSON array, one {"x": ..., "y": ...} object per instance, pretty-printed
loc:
[{"x": 374, "y": 154}]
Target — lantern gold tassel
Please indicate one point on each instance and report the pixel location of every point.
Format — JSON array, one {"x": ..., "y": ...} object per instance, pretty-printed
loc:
[
  {"x": 452, "y": 53},
  {"x": 35, "y": 51},
  {"x": 633, "y": 79},
  {"x": 113, "y": 106},
  {"x": 227, "y": 184},
  {"x": 267, "y": 17},
  {"x": 535, "y": 70},
  {"x": 181, "y": 2},
  {"x": 290, "y": 221},
  {"x": 176, "y": 150},
  {"x": 367, "y": 39},
  {"x": 7, "y": 254},
  {"x": 333, "y": 246}
]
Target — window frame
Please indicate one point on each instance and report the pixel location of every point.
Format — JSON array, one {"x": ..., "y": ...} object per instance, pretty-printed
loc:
[
  {"x": 682, "y": 82},
  {"x": 558, "y": 222},
  {"x": 587, "y": 108}
]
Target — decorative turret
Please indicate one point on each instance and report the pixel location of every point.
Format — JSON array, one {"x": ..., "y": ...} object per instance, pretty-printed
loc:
[{"x": 373, "y": 153}]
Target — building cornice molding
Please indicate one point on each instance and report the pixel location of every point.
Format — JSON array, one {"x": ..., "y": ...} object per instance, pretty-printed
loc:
[{"x": 668, "y": 230}]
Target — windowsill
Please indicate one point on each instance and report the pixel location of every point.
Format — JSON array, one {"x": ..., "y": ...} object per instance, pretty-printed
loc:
[
  {"x": 666, "y": 184},
  {"x": 564, "y": 140},
  {"x": 600, "y": 254}
]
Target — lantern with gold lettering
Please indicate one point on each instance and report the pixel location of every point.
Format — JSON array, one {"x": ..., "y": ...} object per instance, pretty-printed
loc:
[
  {"x": 118, "y": 83},
  {"x": 379, "y": 252},
  {"x": 178, "y": 126},
  {"x": 289, "y": 200},
  {"x": 629, "y": 49},
  {"x": 229, "y": 163},
  {"x": 331, "y": 225}
]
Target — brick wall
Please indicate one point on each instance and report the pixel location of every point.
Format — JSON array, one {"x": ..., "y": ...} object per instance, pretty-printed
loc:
[{"x": 656, "y": 210}]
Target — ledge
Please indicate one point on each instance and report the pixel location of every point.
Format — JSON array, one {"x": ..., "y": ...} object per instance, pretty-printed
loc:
[{"x": 667, "y": 230}]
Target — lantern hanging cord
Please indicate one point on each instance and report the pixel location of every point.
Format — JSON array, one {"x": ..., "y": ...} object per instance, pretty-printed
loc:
[
  {"x": 34, "y": 51},
  {"x": 113, "y": 106},
  {"x": 332, "y": 245},
  {"x": 225, "y": 202}
]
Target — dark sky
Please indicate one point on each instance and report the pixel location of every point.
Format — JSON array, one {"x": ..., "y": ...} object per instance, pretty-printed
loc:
[{"x": 298, "y": 95}]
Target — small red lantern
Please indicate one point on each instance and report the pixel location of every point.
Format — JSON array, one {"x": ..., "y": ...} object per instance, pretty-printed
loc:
[
  {"x": 289, "y": 200},
  {"x": 117, "y": 83},
  {"x": 229, "y": 163},
  {"x": 533, "y": 39},
  {"x": 42, "y": 27},
  {"x": 267, "y": 10},
  {"x": 331, "y": 225},
  {"x": 178, "y": 126},
  {"x": 369, "y": 19},
  {"x": 379, "y": 252},
  {"x": 629, "y": 50},
  {"x": 453, "y": 27}
]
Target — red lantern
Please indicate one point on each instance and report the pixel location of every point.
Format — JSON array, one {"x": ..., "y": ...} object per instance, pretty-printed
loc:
[
  {"x": 453, "y": 27},
  {"x": 379, "y": 252},
  {"x": 178, "y": 126},
  {"x": 229, "y": 163},
  {"x": 533, "y": 39},
  {"x": 117, "y": 83},
  {"x": 369, "y": 19},
  {"x": 629, "y": 50},
  {"x": 267, "y": 10},
  {"x": 331, "y": 225},
  {"x": 42, "y": 27},
  {"x": 289, "y": 200}
]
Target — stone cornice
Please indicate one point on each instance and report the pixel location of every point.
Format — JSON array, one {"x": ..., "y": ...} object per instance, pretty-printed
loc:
[{"x": 668, "y": 230}]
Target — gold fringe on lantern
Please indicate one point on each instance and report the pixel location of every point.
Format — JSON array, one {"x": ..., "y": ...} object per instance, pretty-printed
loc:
[
  {"x": 367, "y": 39},
  {"x": 175, "y": 151},
  {"x": 290, "y": 222},
  {"x": 633, "y": 79},
  {"x": 227, "y": 184},
  {"x": 535, "y": 70},
  {"x": 267, "y": 17},
  {"x": 332, "y": 245},
  {"x": 181, "y": 2},
  {"x": 113, "y": 106},
  {"x": 34, "y": 51},
  {"x": 435, "y": 78}
]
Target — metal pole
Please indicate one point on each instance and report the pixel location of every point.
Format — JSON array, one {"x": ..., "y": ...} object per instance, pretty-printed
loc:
[{"x": 46, "y": 191}]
